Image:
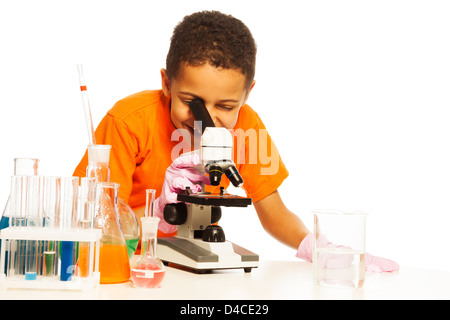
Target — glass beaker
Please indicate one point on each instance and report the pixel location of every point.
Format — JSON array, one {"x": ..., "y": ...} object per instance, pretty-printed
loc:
[
  {"x": 148, "y": 271},
  {"x": 339, "y": 248},
  {"x": 98, "y": 168},
  {"x": 114, "y": 264}
]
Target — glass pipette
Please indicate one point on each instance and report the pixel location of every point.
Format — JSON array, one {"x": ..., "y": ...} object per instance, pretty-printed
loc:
[{"x": 87, "y": 108}]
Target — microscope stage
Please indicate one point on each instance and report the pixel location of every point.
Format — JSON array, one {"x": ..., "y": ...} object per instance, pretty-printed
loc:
[{"x": 213, "y": 199}]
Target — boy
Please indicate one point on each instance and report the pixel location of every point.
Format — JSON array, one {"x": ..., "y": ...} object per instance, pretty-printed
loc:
[{"x": 211, "y": 57}]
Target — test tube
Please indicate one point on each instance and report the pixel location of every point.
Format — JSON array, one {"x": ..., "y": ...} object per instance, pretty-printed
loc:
[
  {"x": 86, "y": 221},
  {"x": 87, "y": 203},
  {"x": 52, "y": 220},
  {"x": 52, "y": 202},
  {"x": 16, "y": 255},
  {"x": 149, "y": 202},
  {"x": 34, "y": 218},
  {"x": 69, "y": 201}
]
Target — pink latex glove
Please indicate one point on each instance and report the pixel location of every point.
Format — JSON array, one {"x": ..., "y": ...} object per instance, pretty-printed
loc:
[
  {"x": 179, "y": 175},
  {"x": 373, "y": 263}
]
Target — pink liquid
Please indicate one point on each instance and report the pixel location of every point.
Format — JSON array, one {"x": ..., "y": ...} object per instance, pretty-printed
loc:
[{"x": 147, "y": 275}]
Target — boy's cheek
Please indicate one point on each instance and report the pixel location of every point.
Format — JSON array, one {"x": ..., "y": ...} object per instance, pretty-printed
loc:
[{"x": 179, "y": 115}]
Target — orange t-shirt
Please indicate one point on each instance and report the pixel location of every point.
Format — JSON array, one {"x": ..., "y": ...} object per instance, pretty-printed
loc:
[{"x": 139, "y": 129}]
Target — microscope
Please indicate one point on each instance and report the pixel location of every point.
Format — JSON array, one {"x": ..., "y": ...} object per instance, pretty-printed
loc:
[{"x": 200, "y": 243}]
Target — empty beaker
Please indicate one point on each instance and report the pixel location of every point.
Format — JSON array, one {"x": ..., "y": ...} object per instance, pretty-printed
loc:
[
  {"x": 114, "y": 264},
  {"x": 339, "y": 248}
]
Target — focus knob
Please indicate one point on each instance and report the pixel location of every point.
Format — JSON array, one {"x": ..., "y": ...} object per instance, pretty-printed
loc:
[
  {"x": 175, "y": 213},
  {"x": 213, "y": 233}
]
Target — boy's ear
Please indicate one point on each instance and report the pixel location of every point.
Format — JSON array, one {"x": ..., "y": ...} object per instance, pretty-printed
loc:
[
  {"x": 165, "y": 83},
  {"x": 249, "y": 90}
]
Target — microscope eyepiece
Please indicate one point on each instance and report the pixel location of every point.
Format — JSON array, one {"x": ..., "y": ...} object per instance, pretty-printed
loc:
[
  {"x": 215, "y": 174},
  {"x": 233, "y": 175}
]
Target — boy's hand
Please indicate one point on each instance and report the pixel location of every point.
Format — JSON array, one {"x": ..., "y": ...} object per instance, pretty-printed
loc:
[
  {"x": 373, "y": 264},
  {"x": 179, "y": 175}
]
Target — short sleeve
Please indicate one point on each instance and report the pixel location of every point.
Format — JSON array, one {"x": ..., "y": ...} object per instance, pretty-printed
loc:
[{"x": 122, "y": 161}]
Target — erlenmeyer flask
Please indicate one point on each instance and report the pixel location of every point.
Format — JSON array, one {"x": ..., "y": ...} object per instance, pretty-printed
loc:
[
  {"x": 114, "y": 264},
  {"x": 98, "y": 168}
]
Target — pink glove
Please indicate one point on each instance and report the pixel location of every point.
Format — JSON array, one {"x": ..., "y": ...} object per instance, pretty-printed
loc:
[
  {"x": 373, "y": 264},
  {"x": 179, "y": 175}
]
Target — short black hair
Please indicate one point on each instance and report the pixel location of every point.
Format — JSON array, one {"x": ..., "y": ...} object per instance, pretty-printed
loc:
[{"x": 215, "y": 38}]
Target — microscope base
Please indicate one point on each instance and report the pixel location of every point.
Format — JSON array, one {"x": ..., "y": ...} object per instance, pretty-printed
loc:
[{"x": 204, "y": 256}]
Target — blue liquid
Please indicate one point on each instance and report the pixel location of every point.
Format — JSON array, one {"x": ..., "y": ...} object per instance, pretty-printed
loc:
[
  {"x": 66, "y": 260},
  {"x": 4, "y": 223},
  {"x": 30, "y": 275}
]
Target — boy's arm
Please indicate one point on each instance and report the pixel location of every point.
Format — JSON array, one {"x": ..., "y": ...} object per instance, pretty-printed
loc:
[{"x": 279, "y": 221}]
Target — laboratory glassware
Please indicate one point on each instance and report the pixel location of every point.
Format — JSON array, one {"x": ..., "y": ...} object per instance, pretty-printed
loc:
[
  {"x": 148, "y": 271},
  {"x": 16, "y": 249},
  {"x": 339, "y": 248},
  {"x": 43, "y": 212},
  {"x": 114, "y": 263},
  {"x": 22, "y": 167},
  {"x": 86, "y": 208},
  {"x": 69, "y": 207},
  {"x": 34, "y": 217},
  {"x": 149, "y": 202},
  {"x": 86, "y": 105},
  {"x": 98, "y": 162},
  {"x": 98, "y": 167},
  {"x": 52, "y": 217}
]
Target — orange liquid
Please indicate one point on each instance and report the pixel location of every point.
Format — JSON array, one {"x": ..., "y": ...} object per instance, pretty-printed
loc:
[
  {"x": 83, "y": 259},
  {"x": 114, "y": 264}
]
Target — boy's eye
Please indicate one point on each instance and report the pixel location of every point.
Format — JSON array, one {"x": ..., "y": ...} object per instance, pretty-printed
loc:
[
  {"x": 226, "y": 108},
  {"x": 223, "y": 107}
]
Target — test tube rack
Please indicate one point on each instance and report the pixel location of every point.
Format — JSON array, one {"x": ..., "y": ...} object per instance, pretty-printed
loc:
[{"x": 89, "y": 237}]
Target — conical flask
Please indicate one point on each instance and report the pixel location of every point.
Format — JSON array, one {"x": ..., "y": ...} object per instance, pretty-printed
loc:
[
  {"x": 98, "y": 168},
  {"x": 114, "y": 264}
]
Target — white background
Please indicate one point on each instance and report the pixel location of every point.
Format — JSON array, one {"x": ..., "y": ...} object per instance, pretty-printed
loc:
[{"x": 354, "y": 93}]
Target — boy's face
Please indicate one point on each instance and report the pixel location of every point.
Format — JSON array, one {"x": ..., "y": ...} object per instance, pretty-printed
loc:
[{"x": 223, "y": 91}]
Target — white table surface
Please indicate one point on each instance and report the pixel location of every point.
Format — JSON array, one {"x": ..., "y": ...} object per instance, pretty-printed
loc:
[{"x": 271, "y": 280}]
